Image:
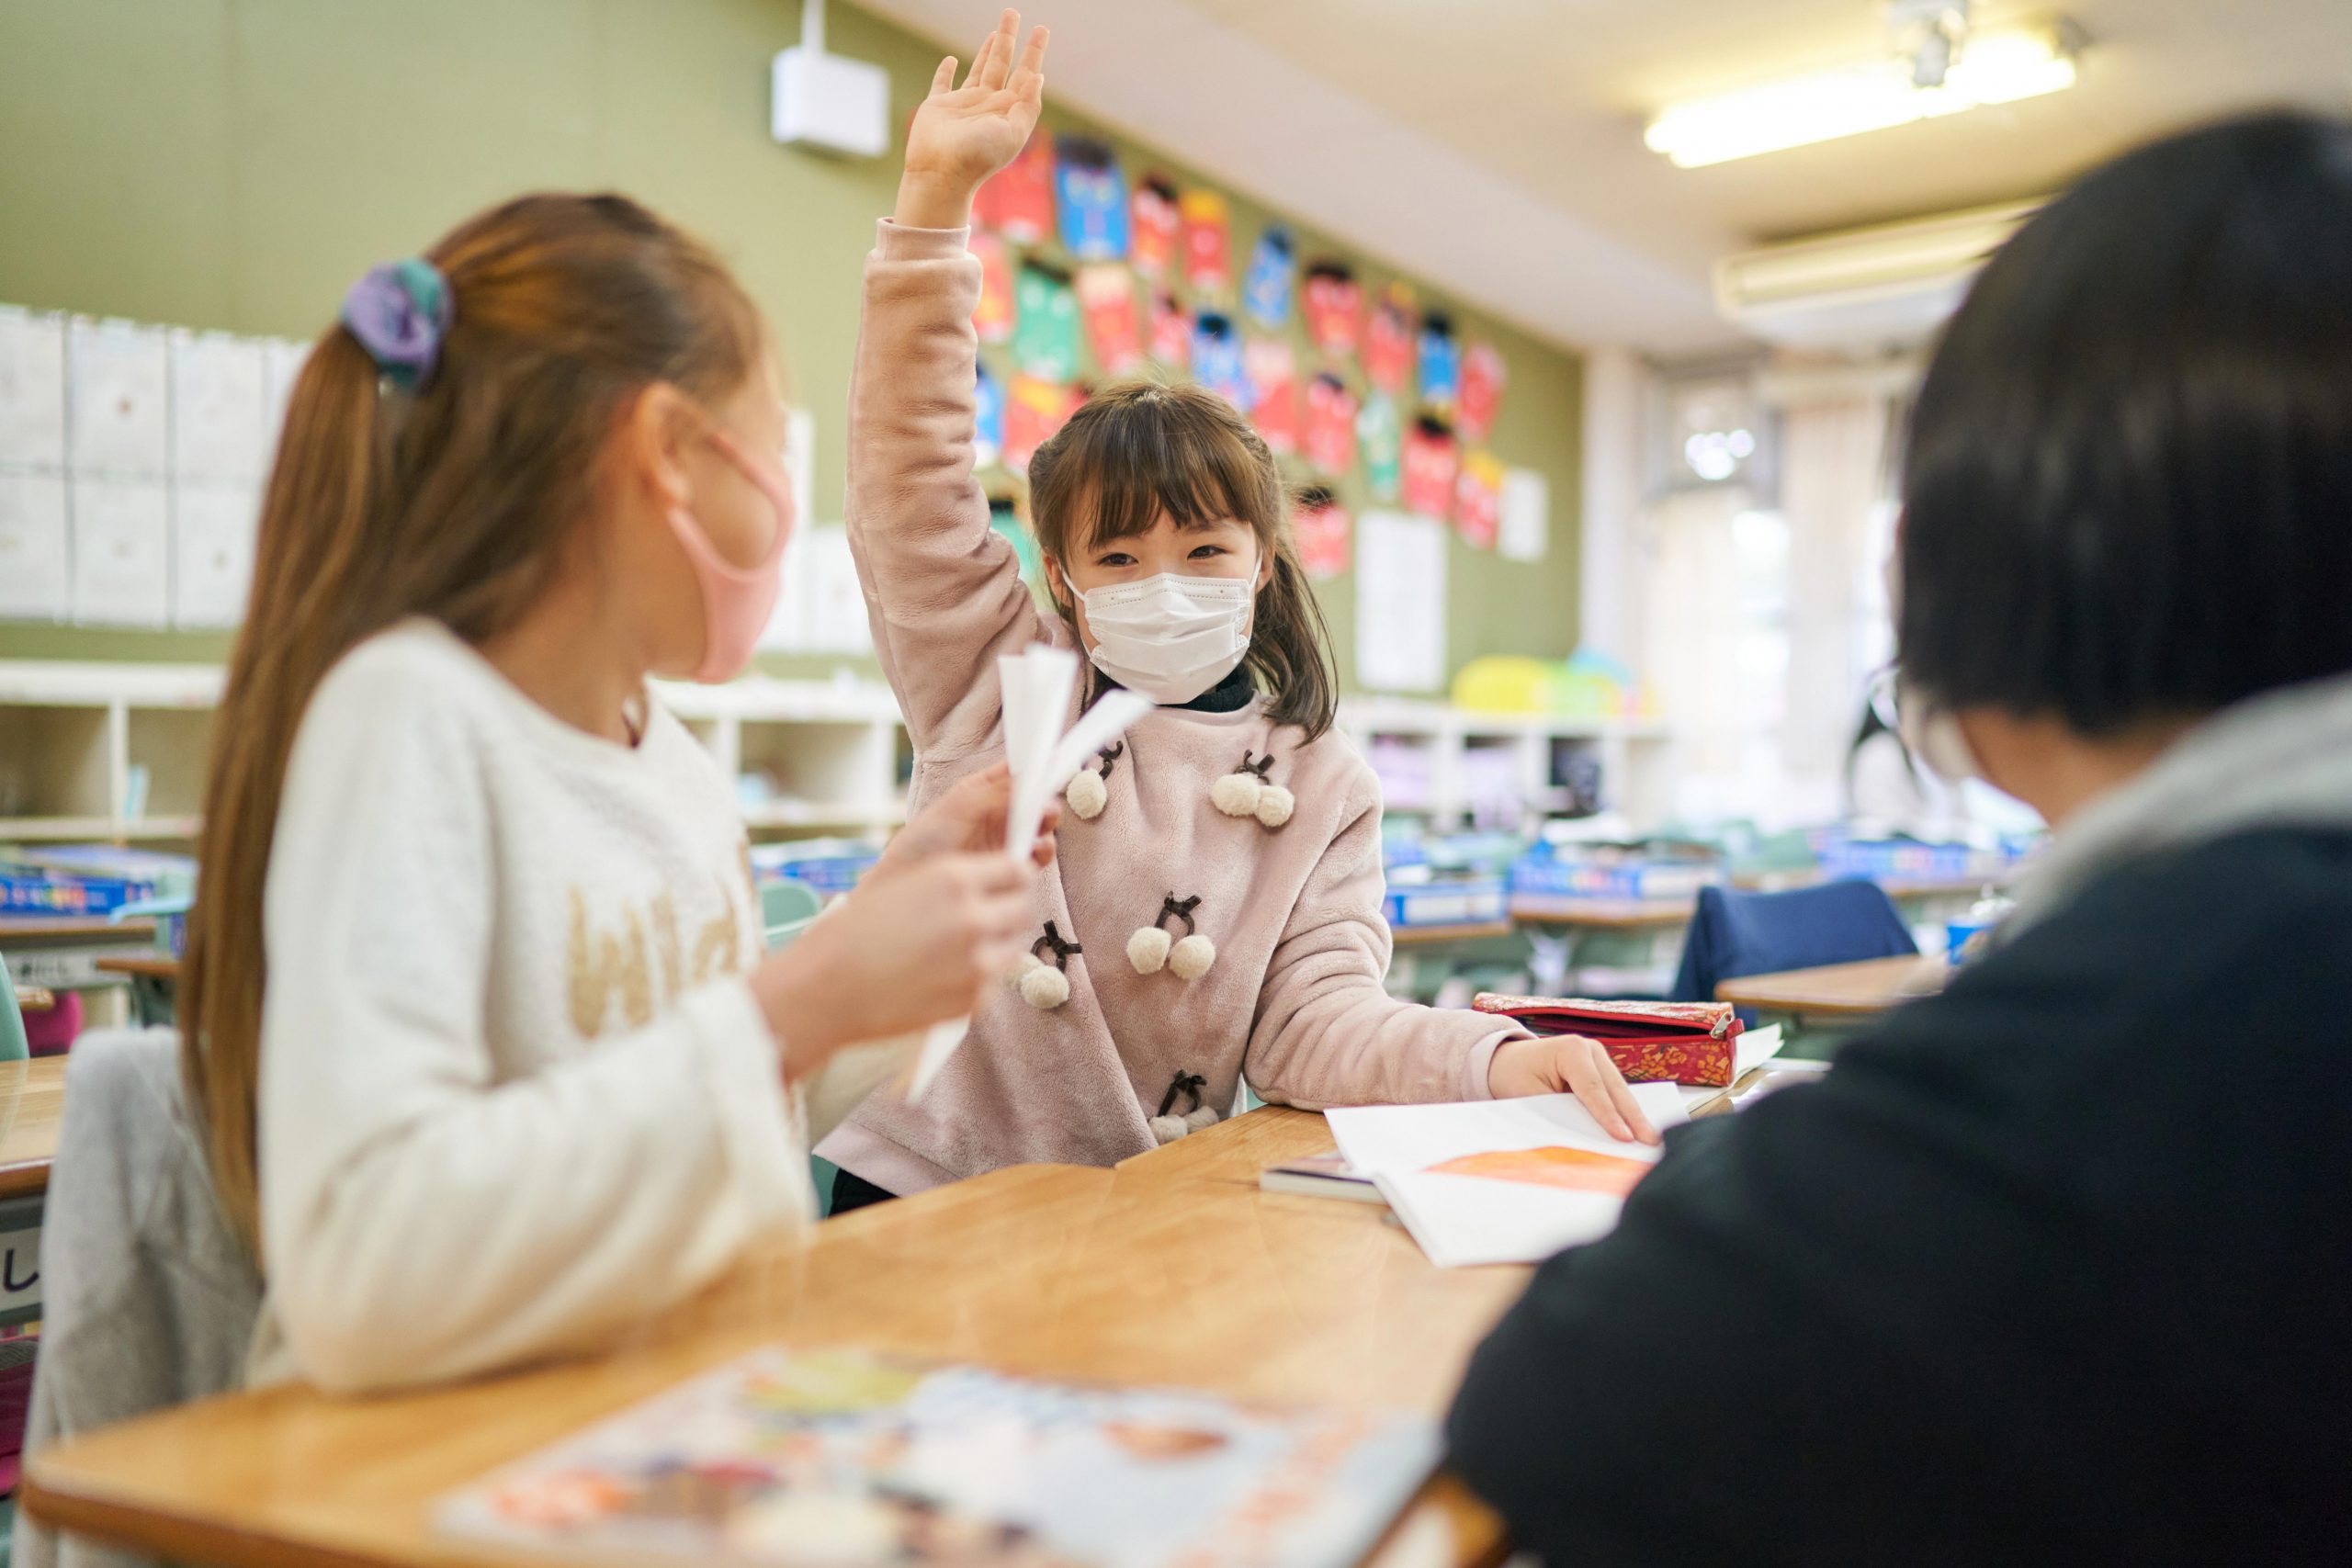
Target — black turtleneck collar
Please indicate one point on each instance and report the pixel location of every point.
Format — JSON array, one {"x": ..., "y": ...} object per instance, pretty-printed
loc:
[{"x": 1228, "y": 695}]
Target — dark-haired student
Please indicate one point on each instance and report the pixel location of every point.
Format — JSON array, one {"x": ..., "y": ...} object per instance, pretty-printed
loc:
[{"x": 2053, "y": 1267}]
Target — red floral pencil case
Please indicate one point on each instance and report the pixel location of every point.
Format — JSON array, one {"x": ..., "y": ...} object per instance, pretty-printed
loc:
[{"x": 1684, "y": 1042}]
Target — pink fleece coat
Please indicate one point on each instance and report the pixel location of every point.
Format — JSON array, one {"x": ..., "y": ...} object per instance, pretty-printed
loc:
[{"x": 1293, "y": 1001}]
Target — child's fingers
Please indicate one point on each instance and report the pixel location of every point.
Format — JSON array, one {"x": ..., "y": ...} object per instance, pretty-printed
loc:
[
  {"x": 1000, "y": 47},
  {"x": 990, "y": 46},
  {"x": 1584, "y": 1080},
  {"x": 944, "y": 79},
  {"x": 1028, "y": 82}
]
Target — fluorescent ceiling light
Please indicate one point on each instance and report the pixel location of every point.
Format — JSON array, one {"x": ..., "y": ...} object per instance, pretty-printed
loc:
[{"x": 1997, "y": 68}]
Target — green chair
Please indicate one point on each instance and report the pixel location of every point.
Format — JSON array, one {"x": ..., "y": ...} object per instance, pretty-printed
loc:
[
  {"x": 785, "y": 910},
  {"x": 13, "y": 1047}
]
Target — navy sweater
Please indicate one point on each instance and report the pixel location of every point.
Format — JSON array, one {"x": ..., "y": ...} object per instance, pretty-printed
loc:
[{"x": 2056, "y": 1265}]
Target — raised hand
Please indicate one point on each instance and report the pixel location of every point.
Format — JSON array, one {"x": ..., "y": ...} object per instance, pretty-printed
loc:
[{"x": 962, "y": 135}]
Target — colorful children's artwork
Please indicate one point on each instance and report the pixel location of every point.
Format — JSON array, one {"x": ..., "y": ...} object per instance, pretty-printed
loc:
[
  {"x": 988, "y": 421},
  {"x": 1331, "y": 425},
  {"x": 1106, "y": 298},
  {"x": 1272, "y": 369},
  {"x": 1172, "y": 331},
  {"x": 1432, "y": 462},
  {"x": 1273, "y": 271},
  {"x": 1440, "y": 363},
  {"x": 1093, "y": 198},
  {"x": 1324, "y": 533},
  {"x": 1017, "y": 200},
  {"x": 1381, "y": 437},
  {"x": 1034, "y": 409},
  {"x": 1216, "y": 359},
  {"x": 993, "y": 318},
  {"x": 1478, "y": 499},
  {"x": 1156, "y": 227},
  {"x": 1483, "y": 374},
  {"x": 1388, "y": 339},
  {"x": 1209, "y": 269},
  {"x": 1334, "y": 309},
  {"x": 849, "y": 1458},
  {"x": 1045, "y": 337}
]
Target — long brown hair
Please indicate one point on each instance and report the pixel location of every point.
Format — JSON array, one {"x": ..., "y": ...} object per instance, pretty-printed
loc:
[
  {"x": 456, "y": 502},
  {"x": 1140, "y": 450}
]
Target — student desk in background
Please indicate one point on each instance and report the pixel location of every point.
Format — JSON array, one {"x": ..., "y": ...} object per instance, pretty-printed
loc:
[
  {"x": 1844, "y": 991},
  {"x": 155, "y": 979},
  {"x": 32, "y": 1101},
  {"x": 61, "y": 952},
  {"x": 1173, "y": 1269}
]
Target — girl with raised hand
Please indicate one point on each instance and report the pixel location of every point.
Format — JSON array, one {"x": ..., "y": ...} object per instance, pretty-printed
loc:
[{"x": 1218, "y": 910}]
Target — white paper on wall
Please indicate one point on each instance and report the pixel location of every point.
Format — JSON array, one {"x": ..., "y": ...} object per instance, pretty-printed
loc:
[
  {"x": 1526, "y": 530},
  {"x": 213, "y": 530},
  {"x": 788, "y": 627},
  {"x": 116, "y": 386},
  {"x": 32, "y": 388},
  {"x": 282, "y": 360},
  {"x": 836, "y": 603},
  {"x": 1400, "y": 603},
  {"x": 220, "y": 409},
  {"x": 36, "y": 552},
  {"x": 121, "y": 553}
]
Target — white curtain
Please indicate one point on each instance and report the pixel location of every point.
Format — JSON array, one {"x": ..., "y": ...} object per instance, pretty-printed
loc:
[
  {"x": 1691, "y": 633},
  {"x": 1833, "y": 479}
]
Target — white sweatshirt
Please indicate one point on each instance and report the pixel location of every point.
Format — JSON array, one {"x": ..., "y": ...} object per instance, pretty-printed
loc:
[{"x": 514, "y": 1091}]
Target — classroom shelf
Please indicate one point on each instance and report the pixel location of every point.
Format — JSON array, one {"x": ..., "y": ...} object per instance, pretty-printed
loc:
[
  {"x": 117, "y": 751},
  {"x": 832, "y": 756},
  {"x": 1452, "y": 764}
]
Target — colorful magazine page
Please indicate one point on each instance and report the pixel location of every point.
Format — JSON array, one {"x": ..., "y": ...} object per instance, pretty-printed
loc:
[{"x": 836, "y": 1459}]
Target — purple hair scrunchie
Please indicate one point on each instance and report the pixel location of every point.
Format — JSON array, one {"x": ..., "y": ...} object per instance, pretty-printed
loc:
[{"x": 400, "y": 311}]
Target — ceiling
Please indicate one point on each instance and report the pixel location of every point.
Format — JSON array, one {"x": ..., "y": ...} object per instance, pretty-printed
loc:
[{"x": 1495, "y": 145}]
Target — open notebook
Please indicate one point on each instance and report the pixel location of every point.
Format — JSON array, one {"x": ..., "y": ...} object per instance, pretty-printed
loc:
[
  {"x": 840, "y": 1459},
  {"x": 1500, "y": 1180}
]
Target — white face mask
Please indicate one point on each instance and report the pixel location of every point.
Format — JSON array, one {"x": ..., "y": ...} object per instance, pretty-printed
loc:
[{"x": 1170, "y": 637}]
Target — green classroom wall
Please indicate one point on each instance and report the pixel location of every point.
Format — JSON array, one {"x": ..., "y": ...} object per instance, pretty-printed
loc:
[{"x": 234, "y": 163}]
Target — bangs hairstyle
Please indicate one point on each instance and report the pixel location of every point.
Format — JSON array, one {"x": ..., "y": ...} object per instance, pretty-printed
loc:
[
  {"x": 1139, "y": 451},
  {"x": 2127, "y": 485},
  {"x": 455, "y": 501}
]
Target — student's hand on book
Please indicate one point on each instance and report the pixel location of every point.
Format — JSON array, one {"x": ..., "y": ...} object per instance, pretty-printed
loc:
[
  {"x": 1570, "y": 1064},
  {"x": 897, "y": 954},
  {"x": 968, "y": 818},
  {"x": 962, "y": 135}
]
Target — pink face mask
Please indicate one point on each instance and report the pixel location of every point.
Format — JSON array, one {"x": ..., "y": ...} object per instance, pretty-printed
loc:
[{"x": 736, "y": 599}]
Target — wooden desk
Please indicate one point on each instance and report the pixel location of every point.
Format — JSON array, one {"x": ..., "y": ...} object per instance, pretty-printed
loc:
[
  {"x": 61, "y": 952},
  {"x": 1840, "y": 990},
  {"x": 144, "y": 967},
  {"x": 32, "y": 1099},
  {"x": 1426, "y": 936},
  {"x": 34, "y": 999},
  {"x": 1160, "y": 1271},
  {"x": 1547, "y": 909}
]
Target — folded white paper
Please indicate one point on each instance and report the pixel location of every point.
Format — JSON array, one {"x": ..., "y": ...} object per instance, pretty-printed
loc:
[
  {"x": 1500, "y": 1180},
  {"x": 1036, "y": 686}
]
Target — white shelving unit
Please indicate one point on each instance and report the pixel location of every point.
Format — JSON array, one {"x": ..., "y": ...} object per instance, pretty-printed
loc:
[
  {"x": 1634, "y": 755},
  {"x": 73, "y": 737}
]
